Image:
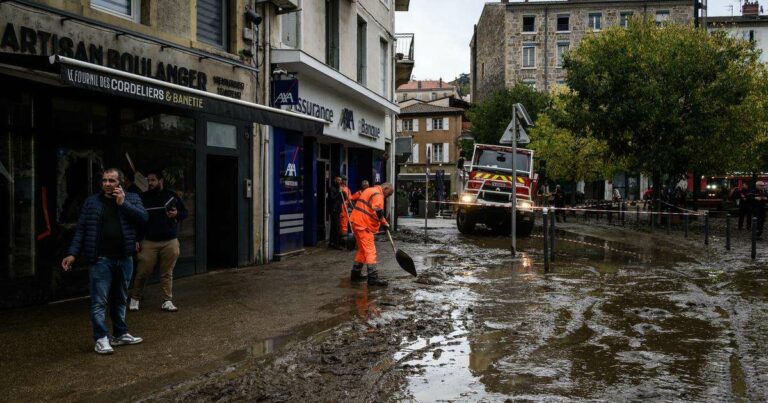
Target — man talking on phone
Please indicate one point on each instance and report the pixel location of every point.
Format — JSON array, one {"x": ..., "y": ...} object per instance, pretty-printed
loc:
[
  {"x": 159, "y": 241},
  {"x": 105, "y": 239}
]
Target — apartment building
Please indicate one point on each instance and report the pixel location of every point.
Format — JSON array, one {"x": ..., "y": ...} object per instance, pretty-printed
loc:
[
  {"x": 335, "y": 60},
  {"x": 526, "y": 41},
  {"x": 425, "y": 91},
  {"x": 751, "y": 25}
]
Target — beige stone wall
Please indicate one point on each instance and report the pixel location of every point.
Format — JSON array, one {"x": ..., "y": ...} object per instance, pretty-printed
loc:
[
  {"x": 487, "y": 52},
  {"x": 545, "y": 37}
]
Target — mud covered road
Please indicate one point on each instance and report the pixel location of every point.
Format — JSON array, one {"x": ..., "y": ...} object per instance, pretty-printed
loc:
[{"x": 620, "y": 316}]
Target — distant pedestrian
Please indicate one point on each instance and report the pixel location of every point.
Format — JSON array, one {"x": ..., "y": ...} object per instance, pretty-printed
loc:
[
  {"x": 159, "y": 243},
  {"x": 758, "y": 198},
  {"x": 334, "y": 209},
  {"x": 740, "y": 196},
  {"x": 105, "y": 239},
  {"x": 559, "y": 202}
]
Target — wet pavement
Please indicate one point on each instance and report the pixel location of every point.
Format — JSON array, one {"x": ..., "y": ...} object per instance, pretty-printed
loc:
[{"x": 621, "y": 315}]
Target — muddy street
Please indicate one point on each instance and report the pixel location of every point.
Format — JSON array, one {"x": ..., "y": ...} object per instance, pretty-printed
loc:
[{"x": 620, "y": 316}]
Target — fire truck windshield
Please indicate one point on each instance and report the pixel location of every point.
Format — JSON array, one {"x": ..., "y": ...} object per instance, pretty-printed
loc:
[{"x": 501, "y": 160}]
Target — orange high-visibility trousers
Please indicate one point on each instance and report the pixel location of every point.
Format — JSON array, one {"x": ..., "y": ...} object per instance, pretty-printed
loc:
[
  {"x": 366, "y": 248},
  {"x": 344, "y": 221}
]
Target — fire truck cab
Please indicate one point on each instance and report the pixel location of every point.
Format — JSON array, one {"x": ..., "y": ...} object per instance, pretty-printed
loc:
[{"x": 487, "y": 196}]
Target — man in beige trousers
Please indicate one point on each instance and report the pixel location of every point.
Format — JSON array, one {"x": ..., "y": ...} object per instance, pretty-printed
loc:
[{"x": 159, "y": 244}]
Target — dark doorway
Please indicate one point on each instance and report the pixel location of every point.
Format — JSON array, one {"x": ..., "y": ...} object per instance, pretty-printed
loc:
[
  {"x": 322, "y": 187},
  {"x": 221, "y": 212}
]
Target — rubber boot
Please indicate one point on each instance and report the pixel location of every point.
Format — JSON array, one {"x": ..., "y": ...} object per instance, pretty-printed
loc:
[
  {"x": 373, "y": 277},
  {"x": 357, "y": 272}
]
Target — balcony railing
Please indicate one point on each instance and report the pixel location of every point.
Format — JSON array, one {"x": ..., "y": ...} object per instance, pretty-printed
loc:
[{"x": 404, "y": 47}]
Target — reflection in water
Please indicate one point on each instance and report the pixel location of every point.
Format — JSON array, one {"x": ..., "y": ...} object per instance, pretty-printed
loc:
[{"x": 610, "y": 321}]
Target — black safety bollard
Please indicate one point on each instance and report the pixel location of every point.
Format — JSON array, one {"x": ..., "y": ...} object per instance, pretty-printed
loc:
[
  {"x": 651, "y": 218},
  {"x": 706, "y": 228},
  {"x": 686, "y": 225},
  {"x": 754, "y": 237},
  {"x": 727, "y": 231},
  {"x": 545, "y": 228},
  {"x": 552, "y": 238},
  {"x": 669, "y": 221}
]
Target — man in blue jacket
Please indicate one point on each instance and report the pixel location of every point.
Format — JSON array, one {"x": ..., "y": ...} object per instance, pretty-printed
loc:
[{"x": 105, "y": 239}]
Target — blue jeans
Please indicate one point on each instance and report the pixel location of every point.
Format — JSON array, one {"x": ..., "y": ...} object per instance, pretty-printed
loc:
[{"x": 109, "y": 286}]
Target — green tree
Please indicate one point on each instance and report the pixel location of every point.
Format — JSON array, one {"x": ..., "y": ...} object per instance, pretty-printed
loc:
[
  {"x": 669, "y": 99},
  {"x": 490, "y": 117}
]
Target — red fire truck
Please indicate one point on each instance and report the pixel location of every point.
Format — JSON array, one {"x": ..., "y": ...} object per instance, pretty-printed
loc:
[{"x": 487, "y": 196}]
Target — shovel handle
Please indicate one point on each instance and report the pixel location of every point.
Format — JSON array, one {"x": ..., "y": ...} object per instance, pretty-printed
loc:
[{"x": 391, "y": 241}]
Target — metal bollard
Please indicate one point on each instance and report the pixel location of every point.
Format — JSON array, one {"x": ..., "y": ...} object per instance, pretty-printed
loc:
[
  {"x": 552, "y": 239},
  {"x": 637, "y": 214},
  {"x": 706, "y": 228},
  {"x": 686, "y": 225},
  {"x": 754, "y": 237},
  {"x": 651, "y": 218},
  {"x": 545, "y": 228},
  {"x": 727, "y": 231},
  {"x": 669, "y": 221}
]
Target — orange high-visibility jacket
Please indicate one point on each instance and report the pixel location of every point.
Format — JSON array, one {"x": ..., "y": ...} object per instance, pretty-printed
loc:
[
  {"x": 364, "y": 213},
  {"x": 347, "y": 194}
]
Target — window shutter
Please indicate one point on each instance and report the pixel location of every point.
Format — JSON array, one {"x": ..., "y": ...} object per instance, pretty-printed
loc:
[
  {"x": 210, "y": 22},
  {"x": 429, "y": 124},
  {"x": 415, "y": 154},
  {"x": 445, "y": 123},
  {"x": 415, "y": 124},
  {"x": 446, "y": 148},
  {"x": 399, "y": 125}
]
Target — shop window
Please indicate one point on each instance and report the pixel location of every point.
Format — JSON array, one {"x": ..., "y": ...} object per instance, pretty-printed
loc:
[
  {"x": 129, "y": 9},
  {"x": 212, "y": 22},
  {"x": 178, "y": 169},
  {"x": 156, "y": 126},
  {"x": 17, "y": 200},
  {"x": 72, "y": 116},
  {"x": 221, "y": 135}
]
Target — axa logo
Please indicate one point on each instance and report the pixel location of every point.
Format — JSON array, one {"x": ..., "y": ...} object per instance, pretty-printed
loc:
[
  {"x": 347, "y": 119},
  {"x": 291, "y": 169},
  {"x": 285, "y": 98}
]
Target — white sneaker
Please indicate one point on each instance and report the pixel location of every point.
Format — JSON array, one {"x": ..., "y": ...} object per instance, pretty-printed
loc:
[
  {"x": 133, "y": 305},
  {"x": 103, "y": 347},
  {"x": 125, "y": 340},
  {"x": 168, "y": 306}
]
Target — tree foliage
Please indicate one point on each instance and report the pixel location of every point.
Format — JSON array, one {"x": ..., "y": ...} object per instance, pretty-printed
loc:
[
  {"x": 570, "y": 157},
  {"x": 491, "y": 116},
  {"x": 670, "y": 99}
]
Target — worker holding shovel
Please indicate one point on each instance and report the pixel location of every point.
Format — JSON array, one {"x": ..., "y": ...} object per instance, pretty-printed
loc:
[{"x": 367, "y": 217}]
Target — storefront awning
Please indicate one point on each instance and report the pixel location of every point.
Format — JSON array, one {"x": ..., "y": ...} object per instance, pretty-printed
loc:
[{"x": 94, "y": 77}]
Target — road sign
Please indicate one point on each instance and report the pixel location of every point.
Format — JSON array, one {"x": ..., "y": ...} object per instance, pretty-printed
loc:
[{"x": 522, "y": 136}]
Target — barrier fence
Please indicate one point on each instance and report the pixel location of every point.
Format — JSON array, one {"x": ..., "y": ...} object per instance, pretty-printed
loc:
[{"x": 653, "y": 215}]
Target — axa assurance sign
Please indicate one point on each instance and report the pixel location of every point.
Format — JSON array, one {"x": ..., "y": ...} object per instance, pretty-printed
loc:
[
  {"x": 347, "y": 119},
  {"x": 33, "y": 32}
]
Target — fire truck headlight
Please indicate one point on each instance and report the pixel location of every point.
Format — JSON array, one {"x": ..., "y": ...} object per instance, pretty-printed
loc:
[
  {"x": 525, "y": 205},
  {"x": 467, "y": 198}
]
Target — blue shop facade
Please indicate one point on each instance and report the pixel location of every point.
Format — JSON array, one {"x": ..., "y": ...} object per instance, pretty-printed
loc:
[{"x": 355, "y": 144}]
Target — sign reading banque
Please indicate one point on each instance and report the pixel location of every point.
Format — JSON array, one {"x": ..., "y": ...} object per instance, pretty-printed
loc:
[{"x": 44, "y": 34}]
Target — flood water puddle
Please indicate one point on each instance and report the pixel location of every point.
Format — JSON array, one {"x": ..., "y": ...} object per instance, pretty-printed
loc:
[{"x": 609, "y": 321}]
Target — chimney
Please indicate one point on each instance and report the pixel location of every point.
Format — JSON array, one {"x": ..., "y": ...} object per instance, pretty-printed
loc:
[
  {"x": 750, "y": 9},
  {"x": 441, "y": 83},
  {"x": 504, "y": 1},
  {"x": 418, "y": 84}
]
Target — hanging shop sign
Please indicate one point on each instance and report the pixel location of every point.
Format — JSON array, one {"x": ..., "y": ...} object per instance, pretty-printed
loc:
[
  {"x": 40, "y": 33},
  {"x": 285, "y": 92}
]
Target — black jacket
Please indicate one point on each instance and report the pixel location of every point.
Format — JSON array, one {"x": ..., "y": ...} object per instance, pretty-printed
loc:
[{"x": 159, "y": 227}]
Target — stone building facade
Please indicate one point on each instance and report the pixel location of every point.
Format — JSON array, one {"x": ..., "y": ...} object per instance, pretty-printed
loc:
[{"x": 525, "y": 41}]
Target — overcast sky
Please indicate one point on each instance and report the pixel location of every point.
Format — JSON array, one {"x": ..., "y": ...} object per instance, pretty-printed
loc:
[{"x": 443, "y": 29}]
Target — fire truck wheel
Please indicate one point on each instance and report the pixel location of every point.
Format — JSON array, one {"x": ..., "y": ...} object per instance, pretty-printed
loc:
[{"x": 464, "y": 222}]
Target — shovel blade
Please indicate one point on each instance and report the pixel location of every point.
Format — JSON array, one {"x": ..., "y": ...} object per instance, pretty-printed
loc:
[
  {"x": 349, "y": 241},
  {"x": 405, "y": 262}
]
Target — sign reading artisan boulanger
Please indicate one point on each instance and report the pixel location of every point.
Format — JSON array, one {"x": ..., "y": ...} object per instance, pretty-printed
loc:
[{"x": 99, "y": 81}]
